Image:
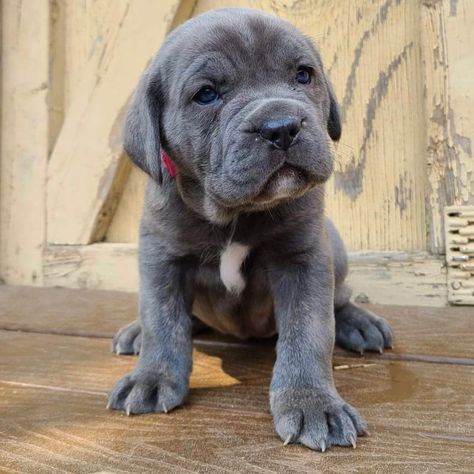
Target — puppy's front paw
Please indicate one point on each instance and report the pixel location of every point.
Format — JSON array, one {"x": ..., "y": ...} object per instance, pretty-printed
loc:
[
  {"x": 315, "y": 419},
  {"x": 359, "y": 330},
  {"x": 146, "y": 392}
]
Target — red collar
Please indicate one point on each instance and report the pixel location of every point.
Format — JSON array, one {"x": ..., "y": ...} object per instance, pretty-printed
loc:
[{"x": 168, "y": 164}]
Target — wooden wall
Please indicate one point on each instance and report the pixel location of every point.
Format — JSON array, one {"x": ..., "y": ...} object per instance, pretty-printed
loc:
[{"x": 70, "y": 200}]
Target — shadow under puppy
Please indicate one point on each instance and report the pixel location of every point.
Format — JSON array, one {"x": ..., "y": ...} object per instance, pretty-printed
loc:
[{"x": 232, "y": 121}]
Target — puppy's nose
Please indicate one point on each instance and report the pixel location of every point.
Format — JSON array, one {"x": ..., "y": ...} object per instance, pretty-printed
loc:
[{"x": 281, "y": 131}]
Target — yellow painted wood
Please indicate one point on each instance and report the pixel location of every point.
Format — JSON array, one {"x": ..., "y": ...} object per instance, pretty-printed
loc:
[
  {"x": 87, "y": 168},
  {"x": 91, "y": 27},
  {"x": 95, "y": 266},
  {"x": 24, "y": 138},
  {"x": 125, "y": 222},
  {"x": 57, "y": 72},
  {"x": 448, "y": 42}
]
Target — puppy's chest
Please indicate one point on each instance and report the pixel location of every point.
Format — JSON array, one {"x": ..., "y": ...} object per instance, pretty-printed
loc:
[
  {"x": 230, "y": 267},
  {"x": 230, "y": 260}
]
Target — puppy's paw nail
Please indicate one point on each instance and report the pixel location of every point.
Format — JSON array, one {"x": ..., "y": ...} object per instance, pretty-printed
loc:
[
  {"x": 107, "y": 406},
  {"x": 164, "y": 408},
  {"x": 287, "y": 441},
  {"x": 323, "y": 446},
  {"x": 353, "y": 442},
  {"x": 127, "y": 411},
  {"x": 380, "y": 350}
]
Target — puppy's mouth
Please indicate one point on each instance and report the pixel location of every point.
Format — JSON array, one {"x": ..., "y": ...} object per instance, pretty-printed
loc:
[{"x": 286, "y": 182}]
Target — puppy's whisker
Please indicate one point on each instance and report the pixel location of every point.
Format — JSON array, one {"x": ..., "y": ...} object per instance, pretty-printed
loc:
[{"x": 345, "y": 145}]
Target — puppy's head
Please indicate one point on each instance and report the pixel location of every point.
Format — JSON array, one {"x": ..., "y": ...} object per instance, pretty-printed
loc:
[{"x": 240, "y": 102}]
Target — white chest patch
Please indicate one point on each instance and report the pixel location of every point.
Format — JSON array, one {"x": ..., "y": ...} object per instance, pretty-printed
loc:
[{"x": 230, "y": 267}]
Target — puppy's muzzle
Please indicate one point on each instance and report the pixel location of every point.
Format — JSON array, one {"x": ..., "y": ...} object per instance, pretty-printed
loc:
[{"x": 280, "y": 132}]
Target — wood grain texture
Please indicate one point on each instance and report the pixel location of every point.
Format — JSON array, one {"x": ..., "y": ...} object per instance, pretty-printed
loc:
[
  {"x": 398, "y": 278},
  {"x": 89, "y": 25},
  {"x": 54, "y": 419},
  {"x": 125, "y": 222},
  {"x": 372, "y": 52},
  {"x": 446, "y": 29},
  {"x": 441, "y": 332},
  {"x": 24, "y": 138},
  {"x": 57, "y": 69},
  {"x": 97, "y": 266},
  {"x": 89, "y": 148}
]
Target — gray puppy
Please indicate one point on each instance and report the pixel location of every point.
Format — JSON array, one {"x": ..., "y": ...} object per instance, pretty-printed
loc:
[{"x": 231, "y": 121}]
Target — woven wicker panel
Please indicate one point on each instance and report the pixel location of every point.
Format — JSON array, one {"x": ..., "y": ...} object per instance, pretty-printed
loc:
[{"x": 459, "y": 226}]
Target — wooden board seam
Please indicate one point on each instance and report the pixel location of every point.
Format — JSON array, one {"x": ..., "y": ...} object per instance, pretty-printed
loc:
[{"x": 386, "y": 356}]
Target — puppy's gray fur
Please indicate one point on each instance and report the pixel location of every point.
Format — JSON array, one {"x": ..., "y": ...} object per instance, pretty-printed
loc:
[{"x": 235, "y": 186}]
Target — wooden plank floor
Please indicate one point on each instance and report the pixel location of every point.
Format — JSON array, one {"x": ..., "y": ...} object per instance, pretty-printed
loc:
[{"x": 56, "y": 368}]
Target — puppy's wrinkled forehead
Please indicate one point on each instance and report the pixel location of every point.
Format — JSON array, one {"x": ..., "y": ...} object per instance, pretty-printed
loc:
[{"x": 251, "y": 43}]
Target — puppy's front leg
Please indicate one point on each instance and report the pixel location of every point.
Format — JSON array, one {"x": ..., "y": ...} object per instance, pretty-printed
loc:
[
  {"x": 304, "y": 402},
  {"x": 160, "y": 381}
]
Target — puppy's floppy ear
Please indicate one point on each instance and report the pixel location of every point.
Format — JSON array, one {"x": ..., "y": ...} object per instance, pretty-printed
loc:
[
  {"x": 141, "y": 133},
  {"x": 334, "y": 120}
]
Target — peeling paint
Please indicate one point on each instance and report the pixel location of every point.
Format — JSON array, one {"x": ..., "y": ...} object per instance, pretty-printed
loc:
[
  {"x": 445, "y": 155},
  {"x": 460, "y": 140},
  {"x": 350, "y": 179},
  {"x": 403, "y": 193},
  {"x": 453, "y": 7}
]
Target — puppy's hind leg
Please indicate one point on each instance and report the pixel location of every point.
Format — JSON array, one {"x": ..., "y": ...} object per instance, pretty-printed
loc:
[
  {"x": 128, "y": 339},
  {"x": 359, "y": 330}
]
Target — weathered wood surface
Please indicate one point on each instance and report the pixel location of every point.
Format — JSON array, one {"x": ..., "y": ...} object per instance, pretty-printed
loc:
[
  {"x": 24, "y": 137},
  {"x": 53, "y": 392},
  {"x": 393, "y": 278},
  {"x": 447, "y": 45},
  {"x": 441, "y": 332},
  {"x": 125, "y": 221},
  {"x": 96, "y": 266},
  {"x": 381, "y": 277},
  {"x": 87, "y": 169}
]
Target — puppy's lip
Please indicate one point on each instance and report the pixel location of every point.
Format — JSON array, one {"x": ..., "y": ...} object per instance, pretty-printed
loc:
[
  {"x": 263, "y": 195},
  {"x": 298, "y": 182},
  {"x": 286, "y": 182}
]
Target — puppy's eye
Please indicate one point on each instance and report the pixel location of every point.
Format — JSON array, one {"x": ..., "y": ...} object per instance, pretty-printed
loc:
[
  {"x": 206, "y": 95},
  {"x": 303, "y": 76}
]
